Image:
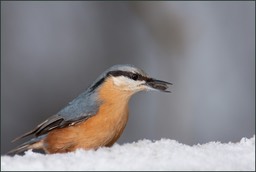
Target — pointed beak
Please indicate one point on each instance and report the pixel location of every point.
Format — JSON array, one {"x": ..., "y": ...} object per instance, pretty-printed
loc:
[{"x": 158, "y": 85}]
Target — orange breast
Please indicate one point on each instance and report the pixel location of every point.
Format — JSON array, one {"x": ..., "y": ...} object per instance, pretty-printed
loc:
[{"x": 103, "y": 129}]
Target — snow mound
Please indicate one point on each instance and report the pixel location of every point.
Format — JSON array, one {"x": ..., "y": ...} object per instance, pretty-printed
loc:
[{"x": 164, "y": 154}]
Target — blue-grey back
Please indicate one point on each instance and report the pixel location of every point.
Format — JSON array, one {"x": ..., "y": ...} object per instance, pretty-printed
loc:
[{"x": 87, "y": 103}]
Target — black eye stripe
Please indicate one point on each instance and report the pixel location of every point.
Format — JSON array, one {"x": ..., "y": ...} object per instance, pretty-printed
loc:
[
  {"x": 133, "y": 76},
  {"x": 97, "y": 84}
]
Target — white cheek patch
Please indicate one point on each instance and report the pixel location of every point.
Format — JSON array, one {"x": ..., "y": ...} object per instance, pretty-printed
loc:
[
  {"x": 118, "y": 81},
  {"x": 127, "y": 83}
]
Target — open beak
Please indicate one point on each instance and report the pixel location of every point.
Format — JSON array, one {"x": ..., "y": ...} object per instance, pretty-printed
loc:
[{"x": 158, "y": 85}]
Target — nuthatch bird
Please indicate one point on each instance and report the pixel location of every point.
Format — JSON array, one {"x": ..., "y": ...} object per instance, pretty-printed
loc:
[{"x": 97, "y": 117}]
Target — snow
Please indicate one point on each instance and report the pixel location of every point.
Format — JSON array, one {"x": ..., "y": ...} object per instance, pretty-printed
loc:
[{"x": 164, "y": 154}]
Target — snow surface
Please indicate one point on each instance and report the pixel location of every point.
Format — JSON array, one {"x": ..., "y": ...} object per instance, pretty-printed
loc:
[{"x": 164, "y": 154}]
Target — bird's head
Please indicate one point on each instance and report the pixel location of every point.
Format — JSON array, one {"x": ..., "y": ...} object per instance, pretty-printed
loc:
[{"x": 128, "y": 78}]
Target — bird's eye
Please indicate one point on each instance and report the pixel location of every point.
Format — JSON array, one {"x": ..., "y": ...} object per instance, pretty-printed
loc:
[{"x": 134, "y": 76}]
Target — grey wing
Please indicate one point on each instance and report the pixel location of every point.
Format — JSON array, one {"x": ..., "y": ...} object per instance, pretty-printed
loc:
[
  {"x": 55, "y": 121},
  {"x": 80, "y": 109}
]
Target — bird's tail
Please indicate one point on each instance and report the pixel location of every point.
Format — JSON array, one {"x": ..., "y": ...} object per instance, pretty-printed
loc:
[{"x": 35, "y": 143}]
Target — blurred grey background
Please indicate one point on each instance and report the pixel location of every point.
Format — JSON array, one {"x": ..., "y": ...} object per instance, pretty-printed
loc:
[{"x": 52, "y": 51}]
